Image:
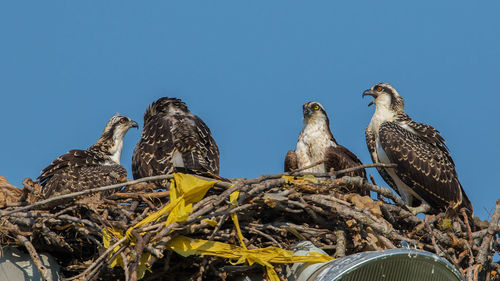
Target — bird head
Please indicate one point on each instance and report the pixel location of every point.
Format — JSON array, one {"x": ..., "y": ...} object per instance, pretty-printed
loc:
[
  {"x": 111, "y": 141},
  {"x": 118, "y": 126},
  {"x": 315, "y": 118},
  {"x": 313, "y": 110},
  {"x": 166, "y": 105},
  {"x": 385, "y": 96}
]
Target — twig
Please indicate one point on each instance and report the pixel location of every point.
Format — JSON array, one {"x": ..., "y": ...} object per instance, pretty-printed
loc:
[
  {"x": 101, "y": 258},
  {"x": 125, "y": 266},
  {"x": 306, "y": 167},
  {"x": 466, "y": 222},
  {"x": 269, "y": 237},
  {"x": 47, "y": 276},
  {"x": 341, "y": 243},
  {"x": 486, "y": 244},
  {"x": 159, "y": 194},
  {"x": 218, "y": 226},
  {"x": 359, "y": 181},
  {"x": 344, "y": 171},
  {"x": 296, "y": 172},
  {"x": 98, "y": 189}
]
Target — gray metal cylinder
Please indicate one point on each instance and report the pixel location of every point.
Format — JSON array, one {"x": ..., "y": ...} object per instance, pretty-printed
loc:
[{"x": 388, "y": 265}]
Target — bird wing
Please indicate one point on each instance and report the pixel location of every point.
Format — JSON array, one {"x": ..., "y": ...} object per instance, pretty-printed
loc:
[
  {"x": 428, "y": 133},
  {"x": 152, "y": 155},
  {"x": 73, "y": 158},
  {"x": 163, "y": 136},
  {"x": 77, "y": 178},
  {"x": 209, "y": 156},
  {"x": 291, "y": 162},
  {"x": 340, "y": 158},
  {"x": 193, "y": 139},
  {"x": 423, "y": 165}
]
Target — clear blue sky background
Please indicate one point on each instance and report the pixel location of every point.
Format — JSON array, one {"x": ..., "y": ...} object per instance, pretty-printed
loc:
[{"x": 246, "y": 68}]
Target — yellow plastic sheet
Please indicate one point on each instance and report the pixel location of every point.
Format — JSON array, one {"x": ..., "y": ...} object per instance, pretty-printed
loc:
[
  {"x": 186, "y": 246},
  {"x": 108, "y": 235},
  {"x": 184, "y": 191},
  {"x": 233, "y": 198}
]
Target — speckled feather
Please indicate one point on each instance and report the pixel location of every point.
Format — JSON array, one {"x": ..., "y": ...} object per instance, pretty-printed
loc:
[
  {"x": 82, "y": 169},
  {"x": 424, "y": 163},
  {"x": 291, "y": 162},
  {"x": 79, "y": 174},
  {"x": 165, "y": 133},
  {"x": 340, "y": 158}
]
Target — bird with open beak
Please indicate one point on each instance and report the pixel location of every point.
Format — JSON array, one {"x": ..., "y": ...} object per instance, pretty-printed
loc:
[{"x": 425, "y": 172}]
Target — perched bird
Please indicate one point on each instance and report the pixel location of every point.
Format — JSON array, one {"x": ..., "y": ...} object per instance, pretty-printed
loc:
[
  {"x": 425, "y": 171},
  {"x": 97, "y": 166},
  {"x": 174, "y": 139},
  {"x": 316, "y": 143}
]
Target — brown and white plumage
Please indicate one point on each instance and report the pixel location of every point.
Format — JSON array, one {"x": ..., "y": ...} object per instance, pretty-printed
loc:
[
  {"x": 316, "y": 143},
  {"x": 173, "y": 139},
  {"x": 425, "y": 170},
  {"x": 97, "y": 166}
]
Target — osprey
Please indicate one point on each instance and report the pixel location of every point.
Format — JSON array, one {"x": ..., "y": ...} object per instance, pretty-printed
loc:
[
  {"x": 316, "y": 143},
  {"x": 174, "y": 139},
  {"x": 97, "y": 166},
  {"x": 425, "y": 171}
]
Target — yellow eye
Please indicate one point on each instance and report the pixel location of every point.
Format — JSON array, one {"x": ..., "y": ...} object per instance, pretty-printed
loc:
[
  {"x": 379, "y": 89},
  {"x": 316, "y": 107},
  {"x": 123, "y": 121}
]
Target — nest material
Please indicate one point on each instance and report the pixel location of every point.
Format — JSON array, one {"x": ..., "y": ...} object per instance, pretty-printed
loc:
[{"x": 273, "y": 211}]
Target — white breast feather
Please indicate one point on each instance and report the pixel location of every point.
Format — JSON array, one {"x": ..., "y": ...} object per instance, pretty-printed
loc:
[
  {"x": 382, "y": 113},
  {"x": 312, "y": 144},
  {"x": 116, "y": 152}
]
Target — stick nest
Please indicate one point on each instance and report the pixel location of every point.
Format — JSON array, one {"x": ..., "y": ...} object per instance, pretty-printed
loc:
[{"x": 273, "y": 211}]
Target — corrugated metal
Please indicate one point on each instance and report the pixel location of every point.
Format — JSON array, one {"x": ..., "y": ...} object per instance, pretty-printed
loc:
[
  {"x": 388, "y": 265},
  {"x": 400, "y": 268}
]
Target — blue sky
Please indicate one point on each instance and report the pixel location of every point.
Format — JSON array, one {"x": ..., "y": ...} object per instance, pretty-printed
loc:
[{"x": 246, "y": 68}]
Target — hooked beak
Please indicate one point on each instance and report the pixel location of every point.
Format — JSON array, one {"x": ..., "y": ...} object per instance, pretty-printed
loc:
[
  {"x": 133, "y": 124},
  {"x": 307, "y": 111},
  {"x": 372, "y": 93}
]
